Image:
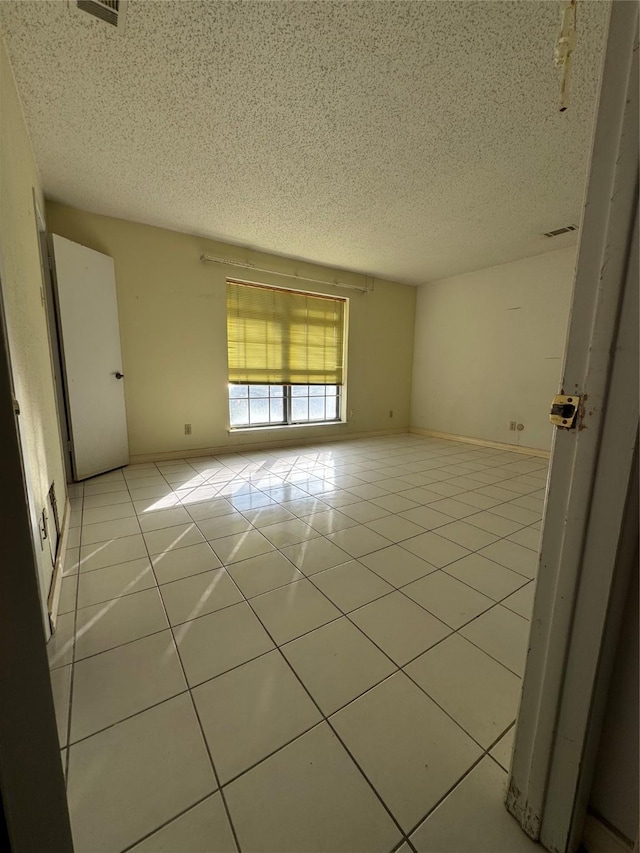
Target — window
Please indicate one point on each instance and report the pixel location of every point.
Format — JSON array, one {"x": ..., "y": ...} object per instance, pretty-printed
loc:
[
  {"x": 260, "y": 405},
  {"x": 286, "y": 355}
]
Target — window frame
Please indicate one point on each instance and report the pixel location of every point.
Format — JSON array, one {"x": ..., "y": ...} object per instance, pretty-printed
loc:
[{"x": 287, "y": 406}]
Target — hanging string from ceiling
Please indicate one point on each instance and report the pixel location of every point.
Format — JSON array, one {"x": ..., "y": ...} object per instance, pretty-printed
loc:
[{"x": 565, "y": 47}]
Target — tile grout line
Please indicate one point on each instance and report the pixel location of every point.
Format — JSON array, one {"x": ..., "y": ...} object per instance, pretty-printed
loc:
[
  {"x": 399, "y": 589},
  {"x": 358, "y": 559},
  {"x": 456, "y": 631},
  {"x": 453, "y": 519},
  {"x": 399, "y": 668},
  {"x": 398, "y": 543},
  {"x": 73, "y": 656},
  {"x": 305, "y": 577},
  {"x": 167, "y": 822},
  {"x": 486, "y": 754},
  {"x": 402, "y": 667},
  {"x": 326, "y": 720},
  {"x": 197, "y": 715},
  {"x": 239, "y": 475},
  {"x": 309, "y": 577}
]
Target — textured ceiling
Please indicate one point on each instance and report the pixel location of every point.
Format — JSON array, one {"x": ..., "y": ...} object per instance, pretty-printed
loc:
[{"x": 410, "y": 140}]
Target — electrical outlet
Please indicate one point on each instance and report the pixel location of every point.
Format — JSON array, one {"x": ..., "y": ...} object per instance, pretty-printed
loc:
[
  {"x": 520, "y": 427},
  {"x": 187, "y": 429},
  {"x": 512, "y": 425}
]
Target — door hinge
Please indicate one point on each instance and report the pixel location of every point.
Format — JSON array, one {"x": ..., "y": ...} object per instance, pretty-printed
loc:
[
  {"x": 44, "y": 525},
  {"x": 16, "y": 407},
  {"x": 50, "y": 262},
  {"x": 564, "y": 410}
]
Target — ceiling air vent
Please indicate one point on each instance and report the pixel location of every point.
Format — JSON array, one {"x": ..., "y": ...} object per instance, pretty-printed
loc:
[
  {"x": 110, "y": 11},
  {"x": 560, "y": 231}
]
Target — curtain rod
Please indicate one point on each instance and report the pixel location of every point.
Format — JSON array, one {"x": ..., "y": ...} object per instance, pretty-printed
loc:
[{"x": 245, "y": 265}]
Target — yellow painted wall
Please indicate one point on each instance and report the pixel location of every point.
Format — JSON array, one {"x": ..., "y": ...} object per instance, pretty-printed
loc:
[
  {"x": 173, "y": 332},
  {"x": 489, "y": 348},
  {"x": 25, "y": 316}
]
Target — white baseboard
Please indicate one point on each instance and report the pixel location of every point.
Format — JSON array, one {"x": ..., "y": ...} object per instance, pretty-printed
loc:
[
  {"x": 275, "y": 443},
  {"x": 53, "y": 599},
  {"x": 516, "y": 448},
  {"x": 265, "y": 444},
  {"x": 598, "y": 838}
]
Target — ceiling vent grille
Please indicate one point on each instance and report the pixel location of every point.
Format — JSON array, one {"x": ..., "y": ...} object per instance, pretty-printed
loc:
[
  {"x": 560, "y": 231},
  {"x": 110, "y": 11}
]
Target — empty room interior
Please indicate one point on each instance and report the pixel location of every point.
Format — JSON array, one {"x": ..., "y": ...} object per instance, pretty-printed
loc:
[{"x": 286, "y": 290}]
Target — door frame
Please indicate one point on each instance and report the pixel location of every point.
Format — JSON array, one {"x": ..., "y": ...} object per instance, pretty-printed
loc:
[
  {"x": 53, "y": 329},
  {"x": 34, "y": 803},
  {"x": 589, "y": 509},
  {"x": 49, "y": 301}
]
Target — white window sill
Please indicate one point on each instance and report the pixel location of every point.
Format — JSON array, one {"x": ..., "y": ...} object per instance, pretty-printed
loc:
[{"x": 272, "y": 427}]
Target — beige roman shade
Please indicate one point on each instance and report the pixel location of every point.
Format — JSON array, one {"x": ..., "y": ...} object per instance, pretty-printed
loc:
[{"x": 284, "y": 337}]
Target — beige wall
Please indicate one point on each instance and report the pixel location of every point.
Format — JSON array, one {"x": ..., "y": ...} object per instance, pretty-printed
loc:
[
  {"x": 173, "y": 330},
  {"x": 21, "y": 276},
  {"x": 489, "y": 347}
]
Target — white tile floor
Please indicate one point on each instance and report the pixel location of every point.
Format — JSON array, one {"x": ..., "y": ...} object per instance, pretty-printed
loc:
[{"x": 313, "y": 649}]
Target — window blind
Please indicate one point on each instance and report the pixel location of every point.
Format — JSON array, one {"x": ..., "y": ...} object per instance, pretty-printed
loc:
[{"x": 284, "y": 337}]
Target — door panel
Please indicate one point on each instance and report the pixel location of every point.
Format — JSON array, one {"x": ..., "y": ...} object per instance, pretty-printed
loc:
[{"x": 88, "y": 309}]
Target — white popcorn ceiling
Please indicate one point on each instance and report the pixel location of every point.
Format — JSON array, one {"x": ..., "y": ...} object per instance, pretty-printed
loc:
[{"x": 409, "y": 140}]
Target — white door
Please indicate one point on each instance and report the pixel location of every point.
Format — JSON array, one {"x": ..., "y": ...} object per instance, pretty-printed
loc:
[{"x": 88, "y": 315}]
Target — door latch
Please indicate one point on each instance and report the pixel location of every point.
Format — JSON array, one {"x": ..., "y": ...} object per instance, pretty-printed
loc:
[{"x": 564, "y": 410}]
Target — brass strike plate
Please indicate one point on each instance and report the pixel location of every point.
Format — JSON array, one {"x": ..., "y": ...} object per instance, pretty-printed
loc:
[{"x": 564, "y": 410}]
